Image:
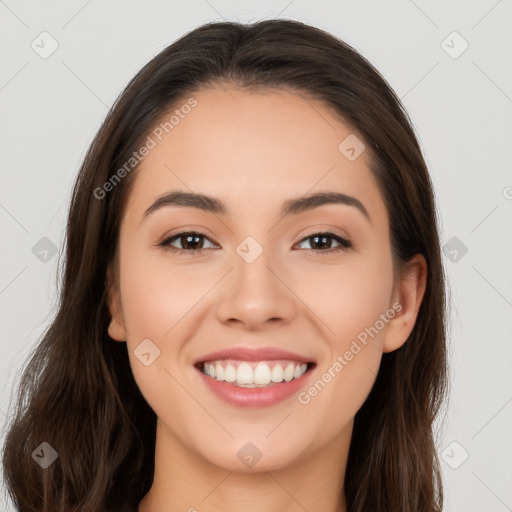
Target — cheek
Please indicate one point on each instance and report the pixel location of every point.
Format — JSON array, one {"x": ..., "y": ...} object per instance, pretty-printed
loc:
[
  {"x": 349, "y": 297},
  {"x": 157, "y": 296},
  {"x": 356, "y": 314},
  {"x": 158, "y": 305}
]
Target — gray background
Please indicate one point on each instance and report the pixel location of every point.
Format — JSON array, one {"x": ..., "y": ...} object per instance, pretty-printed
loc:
[{"x": 461, "y": 108}]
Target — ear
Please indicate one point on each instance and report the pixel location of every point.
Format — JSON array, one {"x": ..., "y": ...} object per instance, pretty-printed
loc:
[
  {"x": 407, "y": 301},
  {"x": 116, "y": 328}
]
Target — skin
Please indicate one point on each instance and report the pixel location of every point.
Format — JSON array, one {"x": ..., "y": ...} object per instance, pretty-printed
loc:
[{"x": 253, "y": 151}]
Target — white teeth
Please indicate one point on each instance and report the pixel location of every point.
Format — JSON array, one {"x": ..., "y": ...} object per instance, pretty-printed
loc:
[
  {"x": 244, "y": 374},
  {"x": 219, "y": 372},
  {"x": 230, "y": 373},
  {"x": 261, "y": 376},
  {"x": 296, "y": 372},
  {"x": 277, "y": 373},
  {"x": 288, "y": 373}
]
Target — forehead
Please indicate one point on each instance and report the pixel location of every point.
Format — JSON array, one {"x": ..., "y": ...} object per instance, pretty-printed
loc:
[{"x": 252, "y": 148}]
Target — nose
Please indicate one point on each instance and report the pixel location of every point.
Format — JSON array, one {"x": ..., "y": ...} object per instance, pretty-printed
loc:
[{"x": 256, "y": 295}]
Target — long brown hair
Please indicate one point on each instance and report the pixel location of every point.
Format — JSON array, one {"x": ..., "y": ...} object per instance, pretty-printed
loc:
[{"x": 77, "y": 392}]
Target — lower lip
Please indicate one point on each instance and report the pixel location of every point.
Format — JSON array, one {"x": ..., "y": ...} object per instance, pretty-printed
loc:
[{"x": 255, "y": 397}]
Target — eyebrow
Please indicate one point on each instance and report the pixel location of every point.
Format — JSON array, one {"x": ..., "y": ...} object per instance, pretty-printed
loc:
[{"x": 290, "y": 207}]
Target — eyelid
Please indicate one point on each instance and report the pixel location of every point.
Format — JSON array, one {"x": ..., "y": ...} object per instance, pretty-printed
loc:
[
  {"x": 324, "y": 228},
  {"x": 198, "y": 230}
]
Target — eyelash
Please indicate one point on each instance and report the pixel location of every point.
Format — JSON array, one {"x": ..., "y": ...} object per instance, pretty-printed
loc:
[{"x": 345, "y": 244}]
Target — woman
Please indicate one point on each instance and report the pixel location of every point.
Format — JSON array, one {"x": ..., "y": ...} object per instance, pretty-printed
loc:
[{"x": 252, "y": 311}]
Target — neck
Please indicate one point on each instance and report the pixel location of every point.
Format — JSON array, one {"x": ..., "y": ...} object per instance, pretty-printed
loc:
[{"x": 185, "y": 481}]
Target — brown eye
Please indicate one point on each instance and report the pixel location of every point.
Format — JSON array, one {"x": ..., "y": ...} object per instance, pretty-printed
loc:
[
  {"x": 190, "y": 241},
  {"x": 322, "y": 242}
]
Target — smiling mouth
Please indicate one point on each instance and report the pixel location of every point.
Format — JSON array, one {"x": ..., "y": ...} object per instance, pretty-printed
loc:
[{"x": 254, "y": 374}]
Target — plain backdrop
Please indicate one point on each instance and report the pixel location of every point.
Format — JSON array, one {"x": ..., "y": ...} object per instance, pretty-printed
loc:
[{"x": 450, "y": 63}]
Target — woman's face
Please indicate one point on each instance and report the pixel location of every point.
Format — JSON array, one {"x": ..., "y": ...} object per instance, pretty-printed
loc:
[{"x": 261, "y": 280}]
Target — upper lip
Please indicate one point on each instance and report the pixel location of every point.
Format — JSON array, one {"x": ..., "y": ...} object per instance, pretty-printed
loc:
[{"x": 253, "y": 354}]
